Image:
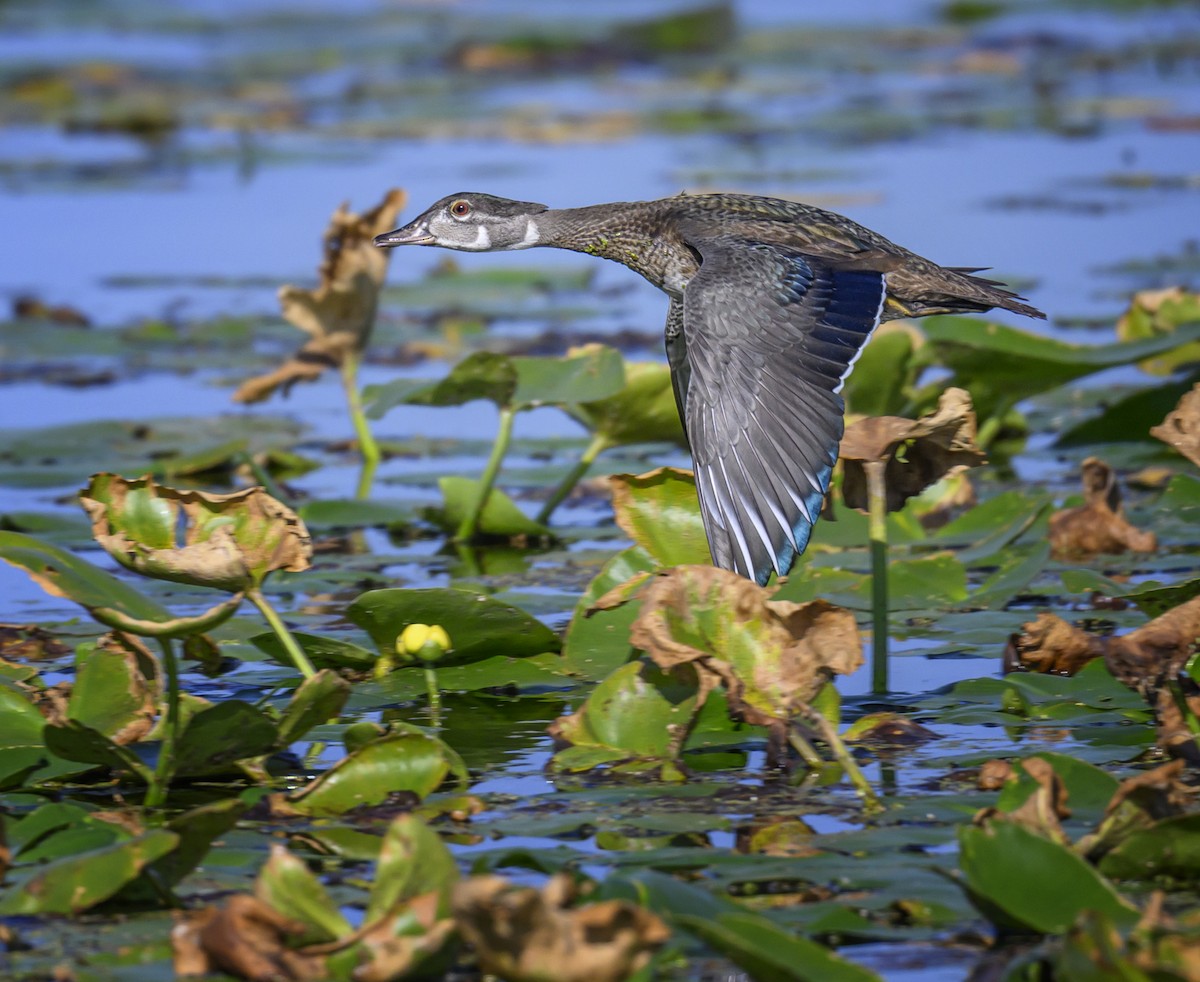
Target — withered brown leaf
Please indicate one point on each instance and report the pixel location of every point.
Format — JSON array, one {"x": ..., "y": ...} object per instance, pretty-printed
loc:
[
  {"x": 245, "y": 938},
  {"x": 1098, "y": 526},
  {"x": 527, "y": 935},
  {"x": 1042, "y": 812},
  {"x": 339, "y": 314},
  {"x": 772, "y": 656},
  {"x": 1181, "y": 427},
  {"x": 230, "y": 541},
  {"x": 915, "y": 453}
]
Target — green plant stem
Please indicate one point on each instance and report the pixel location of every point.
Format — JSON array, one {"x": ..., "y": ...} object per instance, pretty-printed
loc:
[
  {"x": 877, "y": 515},
  {"x": 156, "y": 794},
  {"x": 299, "y": 658},
  {"x": 367, "y": 446},
  {"x": 435, "y": 696},
  {"x": 470, "y": 523},
  {"x": 806, "y": 750},
  {"x": 598, "y": 445},
  {"x": 828, "y": 732}
]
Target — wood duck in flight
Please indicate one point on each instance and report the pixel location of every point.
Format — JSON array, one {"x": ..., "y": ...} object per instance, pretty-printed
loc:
[{"x": 771, "y": 303}]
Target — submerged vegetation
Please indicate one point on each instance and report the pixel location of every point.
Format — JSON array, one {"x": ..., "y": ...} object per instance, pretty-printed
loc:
[{"x": 327, "y": 695}]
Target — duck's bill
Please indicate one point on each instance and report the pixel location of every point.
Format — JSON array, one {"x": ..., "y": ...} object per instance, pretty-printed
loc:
[{"x": 409, "y": 235}]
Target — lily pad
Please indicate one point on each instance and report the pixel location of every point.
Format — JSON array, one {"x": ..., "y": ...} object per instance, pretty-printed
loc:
[
  {"x": 644, "y": 411},
  {"x": 639, "y": 713},
  {"x": 1025, "y": 883},
  {"x": 500, "y": 518},
  {"x": 479, "y": 626},
  {"x": 61, "y": 574},
  {"x": 659, "y": 511},
  {"x": 80, "y": 882},
  {"x": 406, "y": 760}
]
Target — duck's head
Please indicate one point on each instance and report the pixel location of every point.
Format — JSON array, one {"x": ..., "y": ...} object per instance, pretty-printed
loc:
[{"x": 471, "y": 222}]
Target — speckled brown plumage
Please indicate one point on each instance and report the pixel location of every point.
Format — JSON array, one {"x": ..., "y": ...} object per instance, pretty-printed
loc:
[{"x": 771, "y": 303}]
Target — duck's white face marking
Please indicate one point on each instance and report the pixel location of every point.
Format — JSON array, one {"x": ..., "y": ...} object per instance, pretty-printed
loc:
[{"x": 483, "y": 240}]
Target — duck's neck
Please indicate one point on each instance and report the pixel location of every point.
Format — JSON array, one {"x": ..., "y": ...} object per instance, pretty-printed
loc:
[{"x": 626, "y": 232}]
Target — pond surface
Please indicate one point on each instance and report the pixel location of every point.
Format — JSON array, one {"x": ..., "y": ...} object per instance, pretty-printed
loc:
[{"x": 165, "y": 168}]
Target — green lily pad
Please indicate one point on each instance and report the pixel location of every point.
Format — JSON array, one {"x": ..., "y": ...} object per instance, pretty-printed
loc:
[
  {"x": 479, "y": 626},
  {"x": 286, "y": 884},
  {"x": 1002, "y": 365},
  {"x": 639, "y": 713},
  {"x": 644, "y": 411},
  {"x": 598, "y": 643},
  {"x": 1127, "y": 419},
  {"x": 510, "y": 382},
  {"x": 1025, "y": 883},
  {"x": 768, "y": 952},
  {"x": 316, "y": 701},
  {"x": 77, "y": 883},
  {"x": 660, "y": 512},
  {"x": 406, "y": 760},
  {"x": 75, "y": 741},
  {"x": 346, "y": 513},
  {"x": 217, "y": 736},
  {"x": 112, "y": 693},
  {"x": 197, "y": 828},
  {"x": 500, "y": 518},
  {"x": 61, "y": 574},
  {"x": 1168, "y": 848},
  {"x": 539, "y": 672},
  {"x": 412, "y": 861},
  {"x": 883, "y": 375},
  {"x": 323, "y": 651}
]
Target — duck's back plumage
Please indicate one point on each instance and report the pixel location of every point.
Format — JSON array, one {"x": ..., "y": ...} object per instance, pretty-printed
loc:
[{"x": 771, "y": 303}]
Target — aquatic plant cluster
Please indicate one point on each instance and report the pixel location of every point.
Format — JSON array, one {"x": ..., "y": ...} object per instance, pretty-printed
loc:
[{"x": 488, "y": 710}]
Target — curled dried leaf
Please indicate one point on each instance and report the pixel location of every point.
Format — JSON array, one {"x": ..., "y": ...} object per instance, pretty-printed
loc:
[
  {"x": 1150, "y": 660},
  {"x": 245, "y": 938},
  {"x": 406, "y": 940},
  {"x": 230, "y": 541},
  {"x": 1154, "y": 654},
  {"x": 915, "y": 453},
  {"x": 1045, "y": 807},
  {"x": 527, "y": 935},
  {"x": 1159, "y": 793},
  {"x": 994, "y": 774},
  {"x": 1051, "y": 645},
  {"x": 1181, "y": 427},
  {"x": 772, "y": 656},
  {"x": 339, "y": 313},
  {"x": 1098, "y": 526}
]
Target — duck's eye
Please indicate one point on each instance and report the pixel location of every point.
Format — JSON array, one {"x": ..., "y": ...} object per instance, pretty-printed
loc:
[{"x": 460, "y": 208}]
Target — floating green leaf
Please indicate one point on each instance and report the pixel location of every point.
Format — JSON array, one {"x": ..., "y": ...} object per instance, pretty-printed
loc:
[
  {"x": 63, "y": 575},
  {"x": 644, "y": 411},
  {"x": 481, "y": 627},
  {"x": 1168, "y": 848},
  {"x": 406, "y": 760},
  {"x": 220, "y": 735},
  {"x": 659, "y": 511},
  {"x": 770, "y": 953},
  {"x": 638, "y": 714},
  {"x": 1025, "y": 883},
  {"x": 500, "y": 517},
  {"x": 412, "y": 861},
  {"x": 287, "y": 885},
  {"x": 80, "y": 882}
]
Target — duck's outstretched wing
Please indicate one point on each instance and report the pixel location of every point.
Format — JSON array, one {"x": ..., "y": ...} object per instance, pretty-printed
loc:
[{"x": 769, "y": 334}]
